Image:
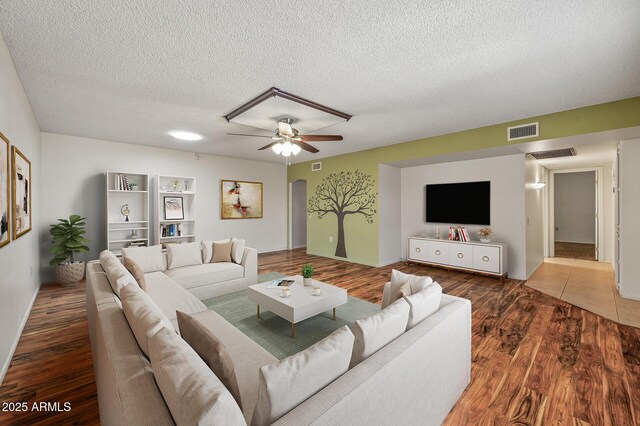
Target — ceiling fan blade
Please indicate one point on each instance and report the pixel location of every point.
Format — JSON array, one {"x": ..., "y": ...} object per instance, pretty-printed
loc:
[
  {"x": 321, "y": 138},
  {"x": 306, "y": 147},
  {"x": 268, "y": 146},
  {"x": 285, "y": 129},
  {"x": 253, "y": 136}
]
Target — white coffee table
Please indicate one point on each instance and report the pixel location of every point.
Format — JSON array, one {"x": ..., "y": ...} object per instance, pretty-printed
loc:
[{"x": 301, "y": 304}]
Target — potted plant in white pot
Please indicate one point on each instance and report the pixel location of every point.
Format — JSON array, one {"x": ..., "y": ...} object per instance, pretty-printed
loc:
[
  {"x": 67, "y": 240},
  {"x": 307, "y": 273}
]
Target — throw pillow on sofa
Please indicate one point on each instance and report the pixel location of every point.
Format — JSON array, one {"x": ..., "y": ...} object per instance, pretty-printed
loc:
[
  {"x": 207, "y": 249},
  {"x": 116, "y": 272},
  {"x": 150, "y": 259},
  {"x": 237, "y": 249},
  {"x": 179, "y": 255},
  {"x": 375, "y": 332},
  {"x": 136, "y": 271},
  {"x": 211, "y": 350},
  {"x": 221, "y": 252},
  {"x": 423, "y": 303},
  {"x": 144, "y": 317},
  {"x": 288, "y": 383},
  {"x": 194, "y": 395},
  {"x": 398, "y": 279}
]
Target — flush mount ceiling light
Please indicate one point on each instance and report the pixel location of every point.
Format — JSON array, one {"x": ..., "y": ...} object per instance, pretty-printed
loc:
[{"x": 185, "y": 136}]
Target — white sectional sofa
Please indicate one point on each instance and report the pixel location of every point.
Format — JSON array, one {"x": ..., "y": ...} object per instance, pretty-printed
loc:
[{"x": 415, "y": 379}]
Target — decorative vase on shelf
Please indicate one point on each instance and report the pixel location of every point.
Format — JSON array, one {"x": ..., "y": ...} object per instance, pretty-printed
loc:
[
  {"x": 485, "y": 240},
  {"x": 485, "y": 235}
]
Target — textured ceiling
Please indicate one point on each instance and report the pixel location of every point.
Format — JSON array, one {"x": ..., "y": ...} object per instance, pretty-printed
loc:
[{"x": 133, "y": 70}]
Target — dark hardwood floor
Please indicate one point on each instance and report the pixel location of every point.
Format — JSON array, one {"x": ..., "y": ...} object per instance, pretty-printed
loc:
[
  {"x": 536, "y": 359},
  {"x": 574, "y": 250}
]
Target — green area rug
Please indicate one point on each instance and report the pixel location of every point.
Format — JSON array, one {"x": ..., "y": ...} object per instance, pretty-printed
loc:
[{"x": 274, "y": 333}]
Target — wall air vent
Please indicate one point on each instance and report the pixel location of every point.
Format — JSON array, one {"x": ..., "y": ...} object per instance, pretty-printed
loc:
[
  {"x": 316, "y": 166},
  {"x": 554, "y": 153},
  {"x": 523, "y": 131}
]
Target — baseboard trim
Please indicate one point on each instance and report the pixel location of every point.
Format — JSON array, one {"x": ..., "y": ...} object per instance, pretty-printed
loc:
[{"x": 7, "y": 362}]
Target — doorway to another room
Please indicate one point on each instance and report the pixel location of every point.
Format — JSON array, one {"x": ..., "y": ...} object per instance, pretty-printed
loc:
[
  {"x": 298, "y": 214},
  {"x": 575, "y": 232}
]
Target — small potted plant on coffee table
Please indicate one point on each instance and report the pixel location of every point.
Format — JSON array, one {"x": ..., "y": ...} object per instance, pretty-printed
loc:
[{"x": 307, "y": 273}]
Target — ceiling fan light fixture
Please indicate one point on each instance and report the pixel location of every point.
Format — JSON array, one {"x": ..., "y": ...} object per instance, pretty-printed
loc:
[
  {"x": 286, "y": 149},
  {"x": 295, "y": 149},
  {"x": 277, "y": 148}
]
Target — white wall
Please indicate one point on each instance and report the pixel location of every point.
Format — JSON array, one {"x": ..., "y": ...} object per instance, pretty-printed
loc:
[
  {"x": 507, "y": 176},
  {"x": 389, "y": 218},
  {"x": 299, "y": 213},
  {"x": 534, "y": 212},
  {"x": 629, "y": 206},
  {"x": 575, "y": 207},
  {"x": 74, "y": 183},
  {"x": 608, "y": 212},
  {"x": 19, "y": 281}
]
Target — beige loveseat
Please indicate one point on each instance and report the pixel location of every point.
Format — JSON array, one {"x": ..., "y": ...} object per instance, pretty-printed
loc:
[{"x": 415, "y": 379}]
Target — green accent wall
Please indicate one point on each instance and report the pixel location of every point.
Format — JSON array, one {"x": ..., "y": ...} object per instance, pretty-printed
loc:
[{"x": 362, "y": 237}]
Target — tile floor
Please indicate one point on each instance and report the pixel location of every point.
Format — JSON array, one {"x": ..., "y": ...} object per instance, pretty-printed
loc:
[{"x": 587, "y": 284}]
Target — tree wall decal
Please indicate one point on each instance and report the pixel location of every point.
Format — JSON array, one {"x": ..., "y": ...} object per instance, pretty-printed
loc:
[{"x": 344, "y": 194}]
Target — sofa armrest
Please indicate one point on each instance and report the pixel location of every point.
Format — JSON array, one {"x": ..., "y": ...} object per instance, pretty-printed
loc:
[{"x": 250, "y": 264}]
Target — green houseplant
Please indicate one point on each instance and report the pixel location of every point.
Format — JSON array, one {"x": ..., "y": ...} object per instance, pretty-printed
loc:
[
  {"x": 67, "y": 240},
  {"x": 307, "y": 273}
]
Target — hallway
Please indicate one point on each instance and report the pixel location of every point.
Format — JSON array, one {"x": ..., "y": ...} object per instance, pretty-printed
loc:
[{"x": 586, "y": 284}]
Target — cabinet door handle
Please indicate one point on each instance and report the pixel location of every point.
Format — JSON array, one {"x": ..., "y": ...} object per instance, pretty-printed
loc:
[
  {"x": 417, "y": 249},
  {"x": 460, "y": 255},
  {"x": 438, "y": 252},
  {"x": 485, "y": 258}
]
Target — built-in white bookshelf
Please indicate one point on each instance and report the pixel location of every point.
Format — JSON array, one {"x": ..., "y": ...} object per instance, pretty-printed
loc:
[
  {"x": 127, "y": 210},
  {"x": 175, "y": 209}
]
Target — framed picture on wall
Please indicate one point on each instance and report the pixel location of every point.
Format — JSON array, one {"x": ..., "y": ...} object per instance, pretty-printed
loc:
[
  {"x": 173, "y": 208},
  {"x": 22, "y": 193},
  {"x": 240, "y": 200},
  {"x": 5, "y": 236}
]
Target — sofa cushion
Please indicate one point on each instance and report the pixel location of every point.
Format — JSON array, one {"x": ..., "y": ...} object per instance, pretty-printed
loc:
[
  {"x": 212, "y": 351},
  {"x": 285, "y": 385},
  {"x": 136, "y": 271},
  {"x": 207, "y": 249},
  {"x": 373, "y": 333},
  {"x": 194, "y": 395},
  {"x": 170, "y": 297},
  {"x": 221, "y": 252},
  {"x": 247, "y": 357},
  {"x": 117, "y": 274},
  {"x": 150, "y": 259},
  {"x": 186, "y": 254},
  {"x": 237, "y": 249},
  {"x": 398, "y": 278},
  {"x": 207, "y": 273},
  {"x": 423, "y": 303},
  {"x": 143, "y": 315}
]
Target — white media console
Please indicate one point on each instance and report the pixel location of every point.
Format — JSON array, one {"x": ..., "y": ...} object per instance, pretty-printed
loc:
[{"x": 474, "y": 256}]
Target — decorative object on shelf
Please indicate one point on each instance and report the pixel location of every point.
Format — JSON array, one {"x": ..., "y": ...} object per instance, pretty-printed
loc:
[
  {"x": 176, "y": 185},
  {"x": 67, "y": 240},
  {"x": 134, "y": 234},
  {"x": 173, "y": 208},
  {"x": 485, "y": 235},
  {"x": 240, "y": 200},
  {"x": 307, "y": 273},
  {"x": 423, "y": 234},
  {"x": 134, "y": 186},
  {"x": 437, "y": 232},
  {"x": 459, "y": 233},
  {"x": 125, "y": 212},
  {"x": 344, "y": 194},
  {"x": 21, "y": 201},
  {"x": 5, "y": 237}
]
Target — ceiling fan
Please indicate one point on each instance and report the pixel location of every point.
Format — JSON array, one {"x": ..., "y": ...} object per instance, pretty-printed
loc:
[{"x": 287, "y": 141}]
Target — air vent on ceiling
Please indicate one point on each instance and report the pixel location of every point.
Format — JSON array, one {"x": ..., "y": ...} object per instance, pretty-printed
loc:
[
  {"x": 554, "y": 153},
  {"x": 523, "y": 131},
  {"x": 316, "y": 166}
]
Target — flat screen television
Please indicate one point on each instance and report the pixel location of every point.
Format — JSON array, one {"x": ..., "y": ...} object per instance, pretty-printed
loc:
[{"x": 467, "y": 203}]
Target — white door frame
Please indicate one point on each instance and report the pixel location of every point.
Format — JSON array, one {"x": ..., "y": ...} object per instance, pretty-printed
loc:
[{"x": 599, "y": 209}]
